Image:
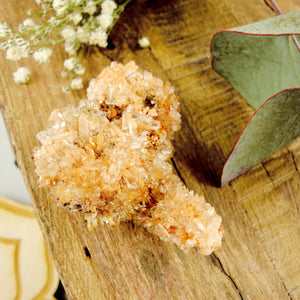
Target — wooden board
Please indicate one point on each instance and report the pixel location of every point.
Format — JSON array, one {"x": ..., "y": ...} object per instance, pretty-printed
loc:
[{"x": 260, "y": 256}]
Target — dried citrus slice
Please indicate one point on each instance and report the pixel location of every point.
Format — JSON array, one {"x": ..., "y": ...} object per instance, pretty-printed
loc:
[{"x": 27, "y": 269}]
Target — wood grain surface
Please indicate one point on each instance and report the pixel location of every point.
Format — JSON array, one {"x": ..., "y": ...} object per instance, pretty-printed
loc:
[{"x": 260, "y": 256}]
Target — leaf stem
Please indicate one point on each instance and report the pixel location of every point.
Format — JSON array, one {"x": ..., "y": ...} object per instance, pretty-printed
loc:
[
  {"x": 280, "y": 12},
  {"x": 276, "y": 7},
  {"x": 296, "y": 42}
]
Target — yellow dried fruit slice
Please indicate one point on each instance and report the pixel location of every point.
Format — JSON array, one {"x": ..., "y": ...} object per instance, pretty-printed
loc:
[{"x": 27, "y": 269}]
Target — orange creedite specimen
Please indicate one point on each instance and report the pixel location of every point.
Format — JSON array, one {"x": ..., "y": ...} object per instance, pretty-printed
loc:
[{"x": 109, "y": 158}]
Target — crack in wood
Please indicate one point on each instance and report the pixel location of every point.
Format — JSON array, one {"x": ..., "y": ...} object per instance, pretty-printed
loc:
[
  {"x": 87, "y": 252},
  {"x": 267, "y": 172},
  {"x": 293, "y": 160},
  {"x": 177, "y": 171},
  {"x": 217, "y": 262},
  {"x": 293, "y": 198},
  {"x": 291, "y": 298},
  {"x": 197, "y": 61},
  {"x": 269, "y": 5}
]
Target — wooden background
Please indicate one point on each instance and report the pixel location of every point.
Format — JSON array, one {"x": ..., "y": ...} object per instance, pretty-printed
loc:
[{"x": 260, "y": 256}]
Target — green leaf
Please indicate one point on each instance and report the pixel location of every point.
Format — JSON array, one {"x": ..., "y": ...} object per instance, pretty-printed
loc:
[
  {"x": 260, "y": 59},
  {"x": 275, "y": 124}
]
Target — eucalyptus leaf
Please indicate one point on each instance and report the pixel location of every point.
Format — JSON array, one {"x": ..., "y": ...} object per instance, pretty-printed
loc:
[
  {"x": 260, "y": 59},
  {"x": 275, "y": 124}
]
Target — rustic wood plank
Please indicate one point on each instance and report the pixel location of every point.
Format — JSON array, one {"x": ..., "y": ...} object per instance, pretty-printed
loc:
[{"x": 259, "y": 258}]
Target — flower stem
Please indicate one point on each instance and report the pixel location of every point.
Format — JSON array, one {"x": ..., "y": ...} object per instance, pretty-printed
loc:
[
  {"x": 276, "y": 7},
  {"x": 279, "y": 11}
]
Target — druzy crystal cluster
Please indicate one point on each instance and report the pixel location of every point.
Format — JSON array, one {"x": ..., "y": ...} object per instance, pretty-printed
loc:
[{"x": 110, "y": 159}]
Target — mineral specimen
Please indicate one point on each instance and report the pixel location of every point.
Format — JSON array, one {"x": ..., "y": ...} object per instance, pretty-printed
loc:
[{"x": 110, "y": 158}]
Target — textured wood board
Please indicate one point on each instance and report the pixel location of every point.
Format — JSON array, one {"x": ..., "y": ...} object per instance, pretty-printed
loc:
[{"x": 259, "y": 258}]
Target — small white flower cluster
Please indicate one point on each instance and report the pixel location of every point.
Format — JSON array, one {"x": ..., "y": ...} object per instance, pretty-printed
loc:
[
  {"x": 4, "y": 30},
  {"x": 144, "y": 42},
  {"x": 42, "y": 55},
  {"x": 74, "y": 67},
  {"x": 22, "y": 75},
  {"x": 80, "y": 23},
  {"x": 16, "y": 48}
]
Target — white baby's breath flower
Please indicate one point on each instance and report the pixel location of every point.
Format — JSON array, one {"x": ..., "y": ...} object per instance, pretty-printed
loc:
[
  {"x": 28, "y": 22},
  {"x": 68, "y": 33},
  {"x": 76, "y": 83},
  {"x": 70, "y": 63},
  {"x": 27, "y": 25},
  {"x": 90, "y": 7},
  {"x": 105, "y": 20},
  {"x": 79, "y": 69},
  {"x": 108, "y": 7},
  {"x": 65, "y": 89},
  {"x": 21, "y": 28},
  {"x": 53, "y": 21},
  {"x": 98, "y": 37},
  {"x": 22, "y": 75},
  {"x": 60, "y": 6},
  {"x": 144, "y": 42},
  {"x": 42, "y": 55},
  {"x": 19, "y": 41},
  {"x": 4, "y": 30},
  {"x": 83, "y": 35},
  {"x": 64, "y": 73},
  {"x": 71, "y": 47},
  {"x": 4, "y": 46},
  {"x": 36, "y": 37},
  {"x": 16, "y": 47},
  {"x": 92, "y": 22},
  {"x": 80, "y": 23},
  {"x": 16, "y": 52},
  {"x": 45, "y": 5},
  {"x": 76, "y": 18}
]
